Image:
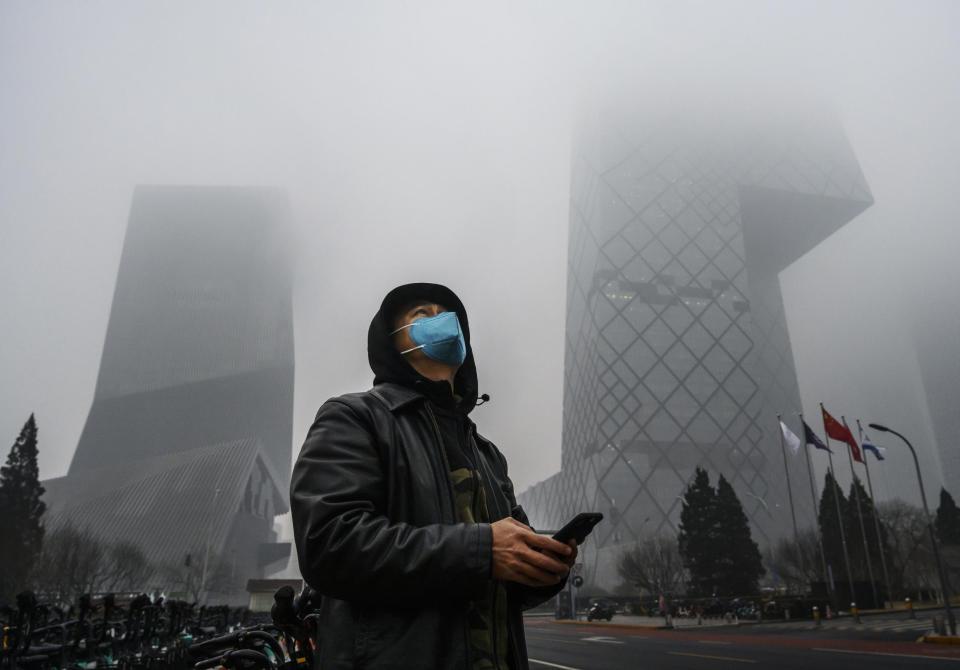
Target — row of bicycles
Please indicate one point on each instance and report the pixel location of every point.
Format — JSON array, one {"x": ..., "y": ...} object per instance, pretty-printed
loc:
[{"x": 140, "y": 632}]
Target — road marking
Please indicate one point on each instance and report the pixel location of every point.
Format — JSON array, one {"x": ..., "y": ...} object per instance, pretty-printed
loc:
[
  {"x": 713, "y": 642},
  {"x": 715, "y": 658},
  {"x": 602, "y": 638},
  {"x": 882, "y": 653},
  {"x": 552, "y": 665},
  {"x": 542, "y": 638}
]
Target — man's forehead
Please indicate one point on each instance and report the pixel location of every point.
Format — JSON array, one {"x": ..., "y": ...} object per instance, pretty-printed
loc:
[{"x": 413, "y": 304}]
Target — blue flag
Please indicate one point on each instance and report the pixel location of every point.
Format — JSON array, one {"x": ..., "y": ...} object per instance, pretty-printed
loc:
[
  {"x": 811, "y": 438},
  {"x": 868, "y": 444}
]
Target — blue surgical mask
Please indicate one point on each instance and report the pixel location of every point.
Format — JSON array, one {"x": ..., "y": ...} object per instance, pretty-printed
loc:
[{"x": 439, "y": 336}]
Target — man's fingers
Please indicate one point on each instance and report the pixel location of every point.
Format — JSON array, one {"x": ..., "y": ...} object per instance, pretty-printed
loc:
[
  {"x": 526, "y": 581},
  {"x": 548, "y": 543},
  {"x": 546, "y": 562},
  {"x": 538, "y": 576},
  {"x": 572, "y": 558},
  {"x": 566, "y": 560}
]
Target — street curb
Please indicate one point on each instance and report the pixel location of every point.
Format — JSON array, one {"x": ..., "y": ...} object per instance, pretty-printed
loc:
[{"x": 940, "y": 639}]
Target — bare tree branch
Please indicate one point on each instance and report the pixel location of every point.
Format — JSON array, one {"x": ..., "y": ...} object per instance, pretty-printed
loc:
[{"x": 653, "y": 566}]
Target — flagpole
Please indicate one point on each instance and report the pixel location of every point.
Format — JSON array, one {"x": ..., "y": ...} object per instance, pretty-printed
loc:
[
  {"x": 816, "y": 518},
  {"x": 876, "y": 517},
  {"x": 786, "y": 472},
  {"x": 836, "y": 500},
  {"x": 863, "y": 528}
]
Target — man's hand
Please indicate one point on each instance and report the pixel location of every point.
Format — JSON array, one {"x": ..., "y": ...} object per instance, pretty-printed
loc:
[
  {"x": 521, "y": 555},
  {"x": 571, "y": 558}
]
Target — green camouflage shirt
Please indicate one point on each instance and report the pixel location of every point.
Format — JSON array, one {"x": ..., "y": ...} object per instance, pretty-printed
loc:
[{"x": 488, "y": 616}]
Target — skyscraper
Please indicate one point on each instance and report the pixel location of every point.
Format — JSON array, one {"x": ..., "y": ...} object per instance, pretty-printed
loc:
[
  {"x": 677, "y": 350},
  {"x": 187, "y": 445}
]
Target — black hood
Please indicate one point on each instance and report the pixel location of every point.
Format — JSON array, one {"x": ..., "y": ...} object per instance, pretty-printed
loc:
[{"x": 389, "y": 365}]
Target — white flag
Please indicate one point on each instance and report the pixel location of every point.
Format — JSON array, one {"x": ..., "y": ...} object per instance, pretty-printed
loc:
[{"x": 791, "y": 440}]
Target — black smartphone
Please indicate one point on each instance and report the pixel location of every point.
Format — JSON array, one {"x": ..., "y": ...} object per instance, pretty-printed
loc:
[{"x": 578, "y": 527}]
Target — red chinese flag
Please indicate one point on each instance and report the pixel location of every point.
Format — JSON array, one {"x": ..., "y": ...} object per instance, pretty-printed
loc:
[{"x": 840, "y": 433}]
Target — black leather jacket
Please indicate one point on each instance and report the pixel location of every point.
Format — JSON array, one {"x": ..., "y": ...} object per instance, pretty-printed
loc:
[{"x": 377, "y": 534}]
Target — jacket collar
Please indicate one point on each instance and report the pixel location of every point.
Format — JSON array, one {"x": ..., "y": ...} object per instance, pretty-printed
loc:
[{"x": 396, "y": 395}]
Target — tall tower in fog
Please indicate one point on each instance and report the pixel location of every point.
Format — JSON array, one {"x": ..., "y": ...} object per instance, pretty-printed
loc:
[
  {"x": 187, "y": 446},
  {"x": 199, "y": 346},
  {"x": 677, "y": 350}
]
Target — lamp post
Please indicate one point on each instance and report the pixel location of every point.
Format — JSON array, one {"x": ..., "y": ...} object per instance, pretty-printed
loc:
[{"x": 944, "y": 585}]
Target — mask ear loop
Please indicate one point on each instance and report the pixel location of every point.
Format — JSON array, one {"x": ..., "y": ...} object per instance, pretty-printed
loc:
[
  {"x": 412, "y": 348},
  {"x": 399, "y": 329},
  {"x": 418, "y": 320}
]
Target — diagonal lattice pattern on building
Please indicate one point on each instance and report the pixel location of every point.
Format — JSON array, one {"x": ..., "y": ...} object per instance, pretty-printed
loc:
[{"x": 677, "y": 350}]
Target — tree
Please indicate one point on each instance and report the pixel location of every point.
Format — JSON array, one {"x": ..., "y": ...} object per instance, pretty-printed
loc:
[
  {"x": 738, "y": 562},
  {"x": 653, "y": 566},
  {"x": 797, "y": 560},
  {"x": 74, "y": 561},
  {"x": 69, "y": 564},
  {"x": 200, "y": 575},
  {"x": 21, "y": 512},
  {"x": 858, "y": 557},
  {"x": 126, "y": 568},
  {"x": 830, "y": 524},
  {"x": 698, "y": 540},
  {"x": 948, "y": 520},
  {"x": 911, "y": 565}
]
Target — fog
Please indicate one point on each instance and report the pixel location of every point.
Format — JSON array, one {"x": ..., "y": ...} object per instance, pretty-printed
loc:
[{"x": 432, "y": 142}]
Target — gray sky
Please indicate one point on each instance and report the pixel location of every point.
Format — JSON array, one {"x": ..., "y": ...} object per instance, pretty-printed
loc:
[{"x": 431, "y": 142}]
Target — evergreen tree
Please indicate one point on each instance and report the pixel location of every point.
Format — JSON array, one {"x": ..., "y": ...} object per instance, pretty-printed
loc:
[
  {"x": 948, "y": 520},
  {"x": 858, "y": 558},
  {"x": 698, "y": 538},
  {"x": 830, "y": 525},
  {"x": 21, "y": 512},
  {"x": 739, "y": 564}
]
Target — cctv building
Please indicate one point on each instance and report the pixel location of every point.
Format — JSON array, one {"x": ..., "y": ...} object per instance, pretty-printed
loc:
[
  {"x": 186, "y": 450},
  {"x": 677, "y": 350}
]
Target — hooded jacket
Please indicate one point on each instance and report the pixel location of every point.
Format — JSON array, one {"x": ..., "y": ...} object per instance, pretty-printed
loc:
[{"x": 374, "y": 520}]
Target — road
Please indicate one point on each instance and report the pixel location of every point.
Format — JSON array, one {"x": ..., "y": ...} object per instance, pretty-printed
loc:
[{"x": 582, "y": 646}]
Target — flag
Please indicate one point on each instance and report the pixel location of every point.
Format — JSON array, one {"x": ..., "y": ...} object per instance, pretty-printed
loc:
[
  {"x": 868, "y": 445},
  {"x": 841, "y": 433},
  {"x": 812, "y": 440},
  {"x": 790, "y": 439}
]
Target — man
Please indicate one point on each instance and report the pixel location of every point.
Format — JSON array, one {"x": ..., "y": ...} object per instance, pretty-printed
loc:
[{"x": 404, "y": 516}]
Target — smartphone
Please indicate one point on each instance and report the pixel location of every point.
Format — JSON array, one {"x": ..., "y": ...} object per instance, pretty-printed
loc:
[{"x": 578, "y": 527}]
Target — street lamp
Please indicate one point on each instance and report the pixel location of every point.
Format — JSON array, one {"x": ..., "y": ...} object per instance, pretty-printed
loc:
[{"x": 944, "y": 586}]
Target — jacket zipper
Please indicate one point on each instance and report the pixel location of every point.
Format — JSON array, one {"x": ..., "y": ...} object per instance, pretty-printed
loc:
[
  {"x": 488, "y": 476},
  {"x": 446, "y": 464},
  {"x": 453, "y": 507}
]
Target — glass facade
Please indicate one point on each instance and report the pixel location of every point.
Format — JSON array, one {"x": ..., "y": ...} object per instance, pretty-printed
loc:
[{"x": 677, "y": 351}]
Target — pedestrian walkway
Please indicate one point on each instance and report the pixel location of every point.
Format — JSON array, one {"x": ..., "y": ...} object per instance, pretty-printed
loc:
[{"x": 869, "y": 624}]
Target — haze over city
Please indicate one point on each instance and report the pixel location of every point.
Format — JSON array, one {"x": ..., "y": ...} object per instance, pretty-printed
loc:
[{"x": 434, "y": 144}]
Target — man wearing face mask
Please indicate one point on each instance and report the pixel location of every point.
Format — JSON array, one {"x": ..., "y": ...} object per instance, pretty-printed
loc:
[{"x": 404, "y": 516}]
